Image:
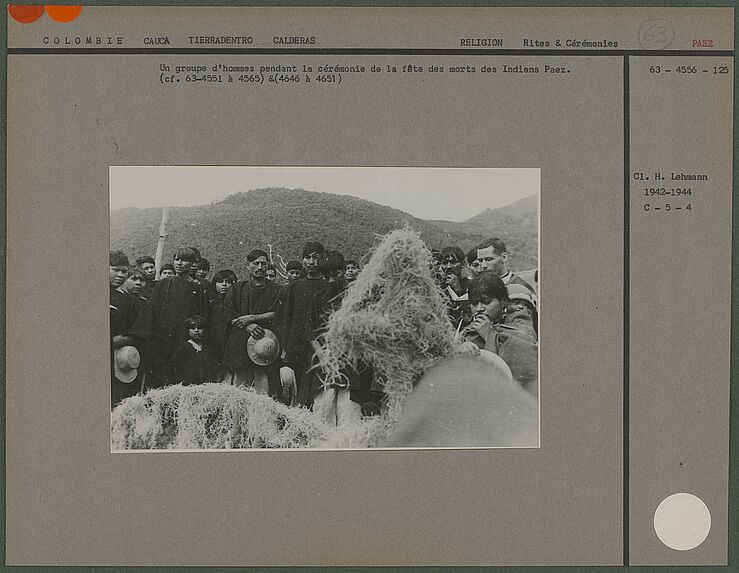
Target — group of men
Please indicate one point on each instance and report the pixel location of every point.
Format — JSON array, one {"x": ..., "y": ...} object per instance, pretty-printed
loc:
[{"x": 180, "y": 326}]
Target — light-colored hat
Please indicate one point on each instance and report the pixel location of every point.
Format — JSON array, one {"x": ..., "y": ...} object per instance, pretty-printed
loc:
[
  {"x": 126, "y": 360},
  {"x": 520, "y": 292},
  {"x": 265, "y": 350}
]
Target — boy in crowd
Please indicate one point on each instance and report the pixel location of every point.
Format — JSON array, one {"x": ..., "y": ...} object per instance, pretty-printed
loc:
[
  {"x": 201, "y": 275},
  {"x": 127, "y": 329},
  {"x": 135, "y": 285},
  {"x": 195, "y": 263},
  {"x": 251, "y": 306},
  {"x": 456, "y": 286},
  {"x": 293, "y": 314},
  {"x": 147, "y": 265},
  {"x": 192, "y": 362},
  {"x": 271, "y": 273},
  {"x": 352, "y": 270},
  {"x": 473, "y": 263},
  {"x": 294, "y": 270},
  {"x": 167, "y": 271},
  {"x": 219, "y": 318}
]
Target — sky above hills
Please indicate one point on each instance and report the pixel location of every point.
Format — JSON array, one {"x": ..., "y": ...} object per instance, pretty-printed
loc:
[{"x": 427, "y": 193}]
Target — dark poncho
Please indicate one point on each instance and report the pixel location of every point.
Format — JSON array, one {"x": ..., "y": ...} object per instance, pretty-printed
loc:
[
  {"x": 174, "y": 300},
  {"x": 192, "y": 366},
  {"x": 126, "y": 319},
  {"x": 290, "y": 323},
  {"x": 245, "y": 297}
]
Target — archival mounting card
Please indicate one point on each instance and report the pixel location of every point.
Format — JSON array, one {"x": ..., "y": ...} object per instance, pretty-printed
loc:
[{"x": 596, "y": 143}]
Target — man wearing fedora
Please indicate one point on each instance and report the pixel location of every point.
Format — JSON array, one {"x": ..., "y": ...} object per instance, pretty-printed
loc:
[
  {"x": 127, "y": 332},
  {"x": 251, "y": 348}
]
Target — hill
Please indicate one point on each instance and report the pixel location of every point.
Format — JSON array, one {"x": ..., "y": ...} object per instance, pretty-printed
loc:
[{"x": 227, "y": 230}]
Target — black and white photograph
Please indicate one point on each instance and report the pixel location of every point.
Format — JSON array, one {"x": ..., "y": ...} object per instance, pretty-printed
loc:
[{"x": 326, "y": 308}]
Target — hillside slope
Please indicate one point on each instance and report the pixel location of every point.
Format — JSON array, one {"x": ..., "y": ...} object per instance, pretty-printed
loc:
[{"x": 285, "y": 218}]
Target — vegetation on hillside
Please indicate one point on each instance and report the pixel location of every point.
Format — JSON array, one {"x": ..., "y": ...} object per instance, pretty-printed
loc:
[{"x": 227, "y": 230}]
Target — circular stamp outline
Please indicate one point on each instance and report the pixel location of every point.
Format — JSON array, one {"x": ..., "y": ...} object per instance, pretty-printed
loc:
[{"x": 665, "y": 36}]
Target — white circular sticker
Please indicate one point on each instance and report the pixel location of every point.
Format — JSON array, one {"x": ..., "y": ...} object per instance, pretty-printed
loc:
[{"x": 682, "y": 521}]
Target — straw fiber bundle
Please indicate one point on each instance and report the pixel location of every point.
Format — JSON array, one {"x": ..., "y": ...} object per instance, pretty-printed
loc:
[
  {"x": 211, "y": 416},
  {"x": 393, "y": 318}
]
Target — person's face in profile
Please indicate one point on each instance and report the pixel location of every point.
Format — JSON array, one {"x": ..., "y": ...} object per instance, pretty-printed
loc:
[
  {"x": 492, "y": 261},
  {"x": 182, "y": 267}
]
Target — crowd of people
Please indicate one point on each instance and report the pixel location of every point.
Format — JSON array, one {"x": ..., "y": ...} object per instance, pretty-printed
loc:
[{"x": 177, "y": 325}]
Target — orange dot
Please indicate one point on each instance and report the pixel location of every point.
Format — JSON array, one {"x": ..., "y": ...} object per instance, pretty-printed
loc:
[
  {"x": 25, "y": 13},
  {"x": 63, "y": 13}
]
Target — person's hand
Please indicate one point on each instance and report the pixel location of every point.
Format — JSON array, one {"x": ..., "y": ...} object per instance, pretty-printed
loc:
[
  {"x": 255, "y": 331},
  {"x": 119, "y": 341},
  {"x": 452, "y": 280},
  {"x": 479, "y": 323},
  {"x": 243, "y": 321},
  {"x": 467, "y": 349}
]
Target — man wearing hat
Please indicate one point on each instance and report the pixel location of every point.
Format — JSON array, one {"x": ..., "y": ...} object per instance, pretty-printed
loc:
[
  {"x": 128, "y": 330},
  {"x": 251, "y": 349},
  {"x": 521, "y": 310}
]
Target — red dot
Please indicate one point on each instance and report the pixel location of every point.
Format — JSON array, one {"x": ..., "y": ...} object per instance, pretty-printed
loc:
[{"x": 25, "y": 13}]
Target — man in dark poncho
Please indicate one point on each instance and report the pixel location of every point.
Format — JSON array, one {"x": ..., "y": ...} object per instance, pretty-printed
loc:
[
  {"x": 251, "y": 305},
  {"x": 127, "y": 327},
  {"x": 293, "y": 314},
  {"x": 135, "y": 285},
  {"x": 174, "y": 300},
  {"x": 349, "y": 397}
]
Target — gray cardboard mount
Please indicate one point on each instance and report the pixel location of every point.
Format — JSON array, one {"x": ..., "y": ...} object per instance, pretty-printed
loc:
[{"x": 626, "y": 420}]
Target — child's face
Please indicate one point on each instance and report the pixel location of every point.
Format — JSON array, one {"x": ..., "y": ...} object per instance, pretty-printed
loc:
[
  {"x": 118, "y": 275},
  {"x": 167, "y": 273},
  {"x": 201, "y": 274},
  {"x": 134, "y": 284},
  {"x": 196, "y": 333},
  {"x": 223, "y": 286},
  {"x": 271, "y": 275},
  {"x": 293, "y": 274},
  {"x": 182, "y": 267}
]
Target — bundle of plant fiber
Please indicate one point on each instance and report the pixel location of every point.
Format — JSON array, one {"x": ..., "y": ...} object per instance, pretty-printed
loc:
[
  {"x": 211, "y": 416},
  {"x": 394, "y": 319}
]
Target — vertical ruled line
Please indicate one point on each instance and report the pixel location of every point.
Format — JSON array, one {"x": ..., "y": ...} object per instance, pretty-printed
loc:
[{"x": 626, "y": 300}]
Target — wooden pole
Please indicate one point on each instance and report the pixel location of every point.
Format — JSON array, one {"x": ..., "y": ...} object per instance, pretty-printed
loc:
[{"x": 160, "y": 242}]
